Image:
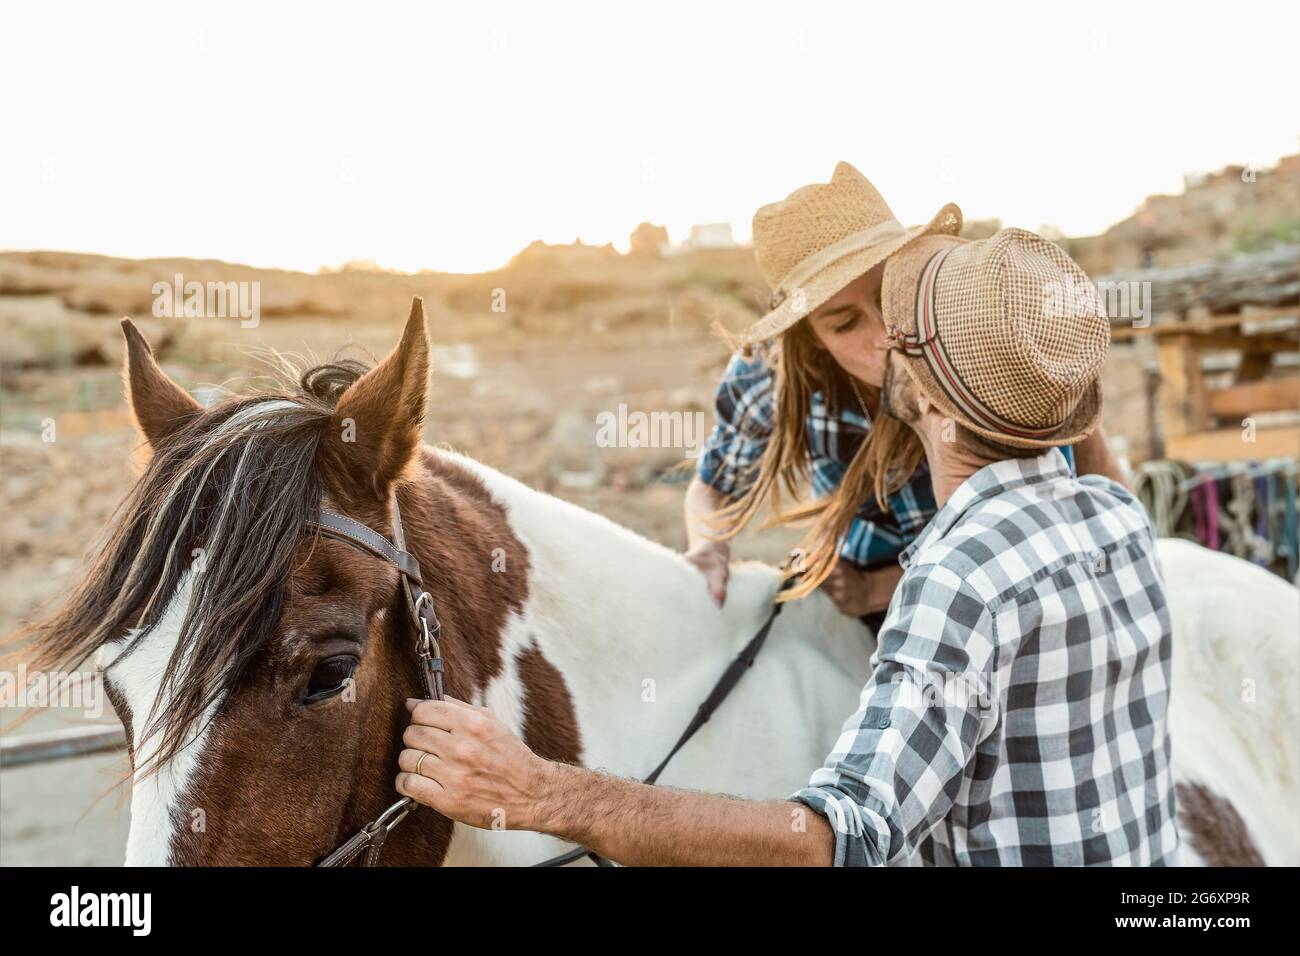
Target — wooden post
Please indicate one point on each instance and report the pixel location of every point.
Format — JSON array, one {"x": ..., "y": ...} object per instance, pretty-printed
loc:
[{"x": 1182, "y": 398}]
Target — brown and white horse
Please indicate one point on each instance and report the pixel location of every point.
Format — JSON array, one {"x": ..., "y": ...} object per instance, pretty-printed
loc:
[{"x": 261, "y": 670}]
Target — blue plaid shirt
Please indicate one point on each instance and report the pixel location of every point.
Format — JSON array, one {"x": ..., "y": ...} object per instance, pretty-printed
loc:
[{"x": 837, "y": 425}]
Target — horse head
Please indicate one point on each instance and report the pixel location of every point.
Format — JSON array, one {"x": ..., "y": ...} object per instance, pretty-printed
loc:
[{"x": 261, "y": 669}]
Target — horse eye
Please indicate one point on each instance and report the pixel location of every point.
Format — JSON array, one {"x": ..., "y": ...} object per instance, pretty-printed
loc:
[{"x": 330, "y": 676}]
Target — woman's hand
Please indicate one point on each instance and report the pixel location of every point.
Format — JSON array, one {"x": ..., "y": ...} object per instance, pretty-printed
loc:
[
  {"x": 710, "y": 555},
  {"x": 857, "y": 592},
  {"x": 713, "y": 559}
]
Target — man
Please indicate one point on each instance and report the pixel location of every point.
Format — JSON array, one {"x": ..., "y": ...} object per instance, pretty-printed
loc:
[{"x": 1017, "y": 712}]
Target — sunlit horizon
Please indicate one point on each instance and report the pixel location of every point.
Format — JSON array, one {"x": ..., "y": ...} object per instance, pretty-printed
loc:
[{"x": 449, "y": 139}]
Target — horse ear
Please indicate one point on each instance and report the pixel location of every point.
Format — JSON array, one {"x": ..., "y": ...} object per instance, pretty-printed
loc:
[
  {"x": 378, "y": 423},
  {"x": 159, "y": 405}
]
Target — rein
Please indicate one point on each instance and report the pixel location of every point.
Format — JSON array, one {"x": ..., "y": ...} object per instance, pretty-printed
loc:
[{"x": 426, "y": 627}]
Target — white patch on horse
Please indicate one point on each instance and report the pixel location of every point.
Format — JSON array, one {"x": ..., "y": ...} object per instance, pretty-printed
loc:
[
  {"x": 156, "y": 799},
  {"x": 613, "y": 612},
  {"x": 1234, "y": 709},
  {"x": 504, "y": 693}
]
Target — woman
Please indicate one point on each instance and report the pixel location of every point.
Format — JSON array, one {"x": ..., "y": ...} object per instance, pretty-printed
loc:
[{"x": 798, "y": 406}]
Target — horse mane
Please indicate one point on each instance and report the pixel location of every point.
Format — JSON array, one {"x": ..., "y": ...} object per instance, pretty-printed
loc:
[{"x": 219, "y": 510}]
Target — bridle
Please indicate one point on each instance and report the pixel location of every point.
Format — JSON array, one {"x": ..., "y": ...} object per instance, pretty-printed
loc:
[{"x": 425, "y": 626}]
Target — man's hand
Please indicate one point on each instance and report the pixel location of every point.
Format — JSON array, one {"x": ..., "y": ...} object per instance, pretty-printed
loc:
[
  {"x": 476, "y": 770},
  {"x": 857, "y": 592},
  {"x": 713, "y": 559}
]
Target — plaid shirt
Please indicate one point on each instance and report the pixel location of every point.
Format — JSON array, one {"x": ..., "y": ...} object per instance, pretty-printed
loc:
[
  {"x": 1017, "y": 712},
  {"x": 837, "y": 425}
]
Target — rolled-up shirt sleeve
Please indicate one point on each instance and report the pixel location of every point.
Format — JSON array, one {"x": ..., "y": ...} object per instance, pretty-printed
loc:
[
  {"x": 744, "y": 406},
  {"x": 901, "y": 758}
]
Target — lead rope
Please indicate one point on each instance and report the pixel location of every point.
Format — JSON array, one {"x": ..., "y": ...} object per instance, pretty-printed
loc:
[{"x": 726, "y": 683}]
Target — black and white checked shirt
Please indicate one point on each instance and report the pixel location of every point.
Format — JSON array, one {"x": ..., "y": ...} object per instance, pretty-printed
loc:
[{"x": 1017, "y": 712}]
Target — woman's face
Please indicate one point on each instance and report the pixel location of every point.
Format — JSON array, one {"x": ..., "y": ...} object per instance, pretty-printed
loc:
[{"x": 850, "y": 326}]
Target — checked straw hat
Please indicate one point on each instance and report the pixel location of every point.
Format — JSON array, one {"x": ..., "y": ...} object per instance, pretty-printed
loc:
[
  {"x": 1006, "y": 335},
  {"x": 820, "y": 238}
]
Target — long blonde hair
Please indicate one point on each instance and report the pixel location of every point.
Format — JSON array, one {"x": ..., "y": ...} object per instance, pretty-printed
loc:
[{"x": 883, "y": 463}]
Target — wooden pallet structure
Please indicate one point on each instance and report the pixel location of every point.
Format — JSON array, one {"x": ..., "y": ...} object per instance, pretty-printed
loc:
[{"x": 1249, "y": 306}]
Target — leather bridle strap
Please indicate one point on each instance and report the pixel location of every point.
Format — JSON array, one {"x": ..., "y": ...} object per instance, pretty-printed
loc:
[
  {"x": 426, "y": 627},
  {"x": 334, "y": 525}
]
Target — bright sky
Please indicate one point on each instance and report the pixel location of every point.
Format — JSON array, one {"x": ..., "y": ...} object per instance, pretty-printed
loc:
[{"x": 448, "y": 136}]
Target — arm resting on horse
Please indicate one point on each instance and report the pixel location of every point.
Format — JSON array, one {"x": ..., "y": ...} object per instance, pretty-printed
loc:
[{"x": 641, "y": 825}]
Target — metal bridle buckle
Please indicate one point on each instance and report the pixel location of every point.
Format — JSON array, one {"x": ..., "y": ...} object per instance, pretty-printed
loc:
[
  {"x": 425, "y": 637},
  {"x": 391, "y": 817}
]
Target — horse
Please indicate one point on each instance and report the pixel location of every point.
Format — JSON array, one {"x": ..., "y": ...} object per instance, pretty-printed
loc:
[{"x": 261, "y": 670}]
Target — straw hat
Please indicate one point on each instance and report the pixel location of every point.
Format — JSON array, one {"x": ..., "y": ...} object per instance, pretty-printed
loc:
[
  {"x": 1006, "y": 335},
  {"x": 820, "y": 238}
]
